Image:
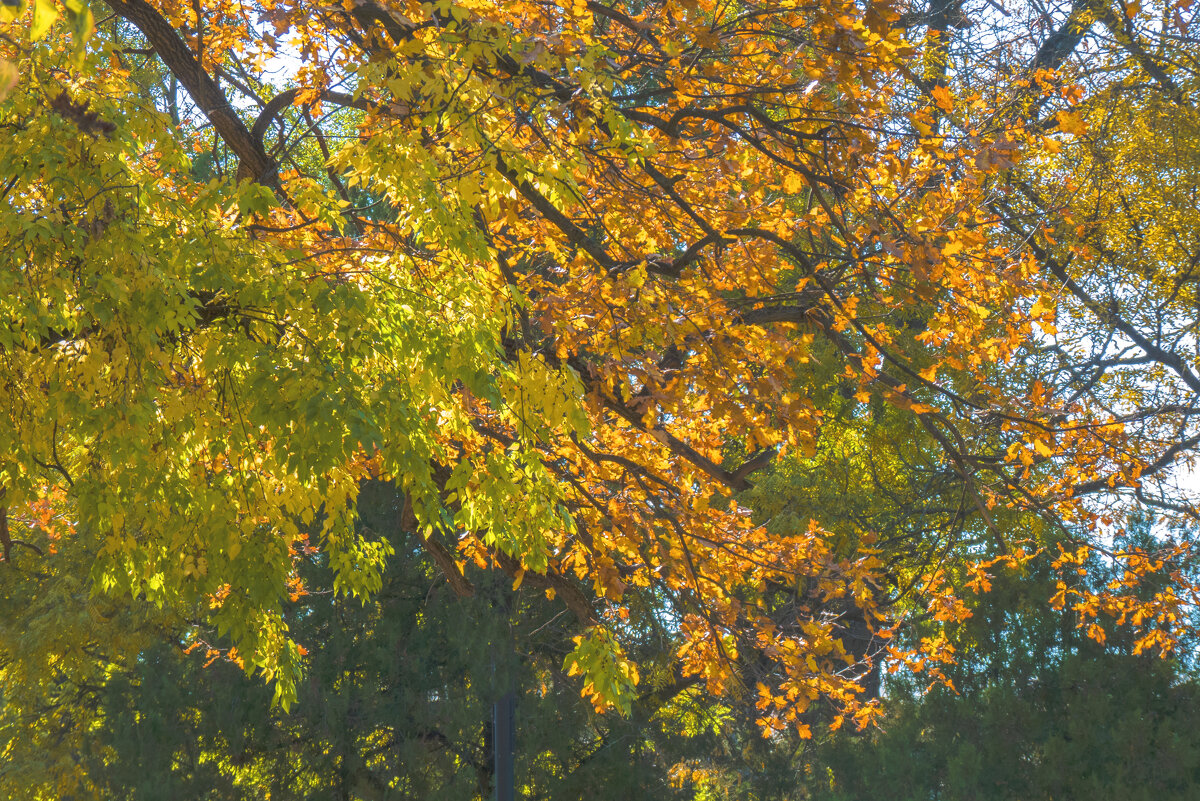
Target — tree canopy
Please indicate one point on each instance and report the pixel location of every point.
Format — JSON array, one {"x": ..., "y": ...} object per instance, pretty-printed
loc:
[{"x": 759, "y": 337}]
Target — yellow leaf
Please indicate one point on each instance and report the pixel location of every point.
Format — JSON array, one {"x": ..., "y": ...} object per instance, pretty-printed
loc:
[
  {"x": 8, "y": 13},
  {"x": 793, "y": 182},
  {"x": 942, "y": 98},
  {"x": 1071, "y": 123},
  {"x": 44, "y": 14},
  {"x": 8, "y": 77},
  {"x": 637, "y": 276}
]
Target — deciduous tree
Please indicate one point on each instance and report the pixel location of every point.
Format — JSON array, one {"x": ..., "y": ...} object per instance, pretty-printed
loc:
[{"x": 574, "y": 276}]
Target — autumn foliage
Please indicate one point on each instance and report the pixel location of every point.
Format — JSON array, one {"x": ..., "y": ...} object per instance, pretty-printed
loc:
[{"x": 771, "y": 330}]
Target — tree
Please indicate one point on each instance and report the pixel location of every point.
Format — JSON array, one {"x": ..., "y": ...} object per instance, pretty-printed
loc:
[
  {"x": 396, "y": 703},
  {"x": 573, "y": 277},
  {"x": 1038, "y": 710}
]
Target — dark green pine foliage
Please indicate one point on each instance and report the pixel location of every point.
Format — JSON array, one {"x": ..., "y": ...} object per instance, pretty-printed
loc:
[
  {"x": 1041, "y": 713},
  {"x": 396, "y": 704},
  {"x": 398, "y": 693}
]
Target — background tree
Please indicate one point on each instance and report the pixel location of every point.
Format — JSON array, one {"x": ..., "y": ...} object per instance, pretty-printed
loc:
[
  {"x": 1038, "y": 710},
  {"x": 396, "y": 703}
]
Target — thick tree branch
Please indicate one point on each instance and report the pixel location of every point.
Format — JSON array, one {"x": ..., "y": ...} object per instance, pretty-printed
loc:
[{"x": 253, "y": 162}]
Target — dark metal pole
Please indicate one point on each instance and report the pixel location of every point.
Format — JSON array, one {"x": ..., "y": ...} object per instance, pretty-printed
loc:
[{"x": 504, "y": 735}]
